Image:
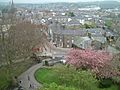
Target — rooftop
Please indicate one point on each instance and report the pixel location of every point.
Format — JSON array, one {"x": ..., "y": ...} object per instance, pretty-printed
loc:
[{"x": 97, "y": 32}]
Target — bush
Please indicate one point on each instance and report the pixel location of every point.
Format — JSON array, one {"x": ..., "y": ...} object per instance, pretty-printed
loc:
[{"x": 105, "y": 83}]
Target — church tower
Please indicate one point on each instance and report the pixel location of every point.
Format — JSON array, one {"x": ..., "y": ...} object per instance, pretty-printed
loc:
[
  {"x": 11, "y": 12},
  {"x": 12, "y": 7}
]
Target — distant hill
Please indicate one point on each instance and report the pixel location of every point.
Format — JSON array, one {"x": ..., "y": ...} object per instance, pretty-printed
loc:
[{"x": 103, "y": 4}]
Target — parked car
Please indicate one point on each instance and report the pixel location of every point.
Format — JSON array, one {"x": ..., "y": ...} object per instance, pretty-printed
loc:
[
  {"x": 49, "y": 62},
  {"x": 63, "y": 61}
]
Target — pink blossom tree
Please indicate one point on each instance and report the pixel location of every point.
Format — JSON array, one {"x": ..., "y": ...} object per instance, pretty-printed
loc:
[{"x": 98, "y": 62}]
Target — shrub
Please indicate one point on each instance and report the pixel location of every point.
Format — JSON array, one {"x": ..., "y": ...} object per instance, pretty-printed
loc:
[{"x": 105, "y": 83}]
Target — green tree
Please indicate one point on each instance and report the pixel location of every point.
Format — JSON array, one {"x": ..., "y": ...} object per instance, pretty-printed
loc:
[
  {"x": 71, "y": 14},
  {"x": 108, "y": 23}
]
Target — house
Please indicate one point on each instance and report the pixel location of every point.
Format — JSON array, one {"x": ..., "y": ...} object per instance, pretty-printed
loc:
[
  {"x": 60, "y": 19},
  {"x": 73, "y": 22},
  {"x": 95, "y": 43},
  {"x": 66, "y": 38},
  {"x": 82, "y": 42},
  {"x": 99, "y": 43},
  {"x": 83, "y": 38}
]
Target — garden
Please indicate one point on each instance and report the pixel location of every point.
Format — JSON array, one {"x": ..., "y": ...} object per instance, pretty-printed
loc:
[{"x": 84, "y": 70}]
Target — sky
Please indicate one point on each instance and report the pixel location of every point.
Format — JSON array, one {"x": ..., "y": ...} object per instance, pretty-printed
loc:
[{"x": 49, "y": 1}]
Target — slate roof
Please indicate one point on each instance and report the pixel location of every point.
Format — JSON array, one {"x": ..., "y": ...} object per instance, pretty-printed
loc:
[
  {"x": 97, "y": 32},
  {"x": 73, "y": 22},
  {"x": 82, "y": 42},
  {"x": 100, "y": 39}
]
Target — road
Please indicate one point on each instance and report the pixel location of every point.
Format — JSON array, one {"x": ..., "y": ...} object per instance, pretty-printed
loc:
[
  {"x": 25, "y": 83},
  {"x": 53, "y": 51}
]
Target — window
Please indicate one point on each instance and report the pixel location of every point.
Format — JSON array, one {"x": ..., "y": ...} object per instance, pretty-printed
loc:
[
  {"x": 60, "y": 37},
  {"x": 68, "y": 45},
  {"x": 68, "y": 41},
  {"x": 72, "y": 41},
  {"x": 60, "y": 40},
  {"x": 56, "y": 39},
  {"x": 55, "y": 35}
]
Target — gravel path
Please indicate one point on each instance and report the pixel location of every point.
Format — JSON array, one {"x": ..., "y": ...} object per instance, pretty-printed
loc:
[{"x": 27, "y": 78}]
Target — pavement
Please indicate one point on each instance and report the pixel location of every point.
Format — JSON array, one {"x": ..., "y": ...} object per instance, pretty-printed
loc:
[{"x": 28, "y": 78}]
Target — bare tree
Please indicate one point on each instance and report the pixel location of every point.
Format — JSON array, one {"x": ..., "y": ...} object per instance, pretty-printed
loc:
[
  {"x": 27, "y": 36},
  {"x": 18, "y": 39}
]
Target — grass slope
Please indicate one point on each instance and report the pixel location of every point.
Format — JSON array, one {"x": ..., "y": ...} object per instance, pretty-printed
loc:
[{"x": 82, "y": 80}]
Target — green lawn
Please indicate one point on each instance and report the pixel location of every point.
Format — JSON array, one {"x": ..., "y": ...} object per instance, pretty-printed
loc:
[
  {"x": 69, "y": 77},
  {"x": 18, "y": 68},
  {"x": 46, "y": 76}
]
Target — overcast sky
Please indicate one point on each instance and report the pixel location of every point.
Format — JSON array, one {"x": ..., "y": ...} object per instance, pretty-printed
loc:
[{"x": 48, "y": 1}]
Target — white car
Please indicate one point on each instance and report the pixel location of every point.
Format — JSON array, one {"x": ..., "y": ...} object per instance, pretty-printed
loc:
[{"x": 63, "y": 61}]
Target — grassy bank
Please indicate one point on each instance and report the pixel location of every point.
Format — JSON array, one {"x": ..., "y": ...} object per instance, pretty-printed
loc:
[{"x": 69, "y": 77}]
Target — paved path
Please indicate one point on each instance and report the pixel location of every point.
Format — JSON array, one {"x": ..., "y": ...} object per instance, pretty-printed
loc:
[{"x": 25, "y": 83}]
